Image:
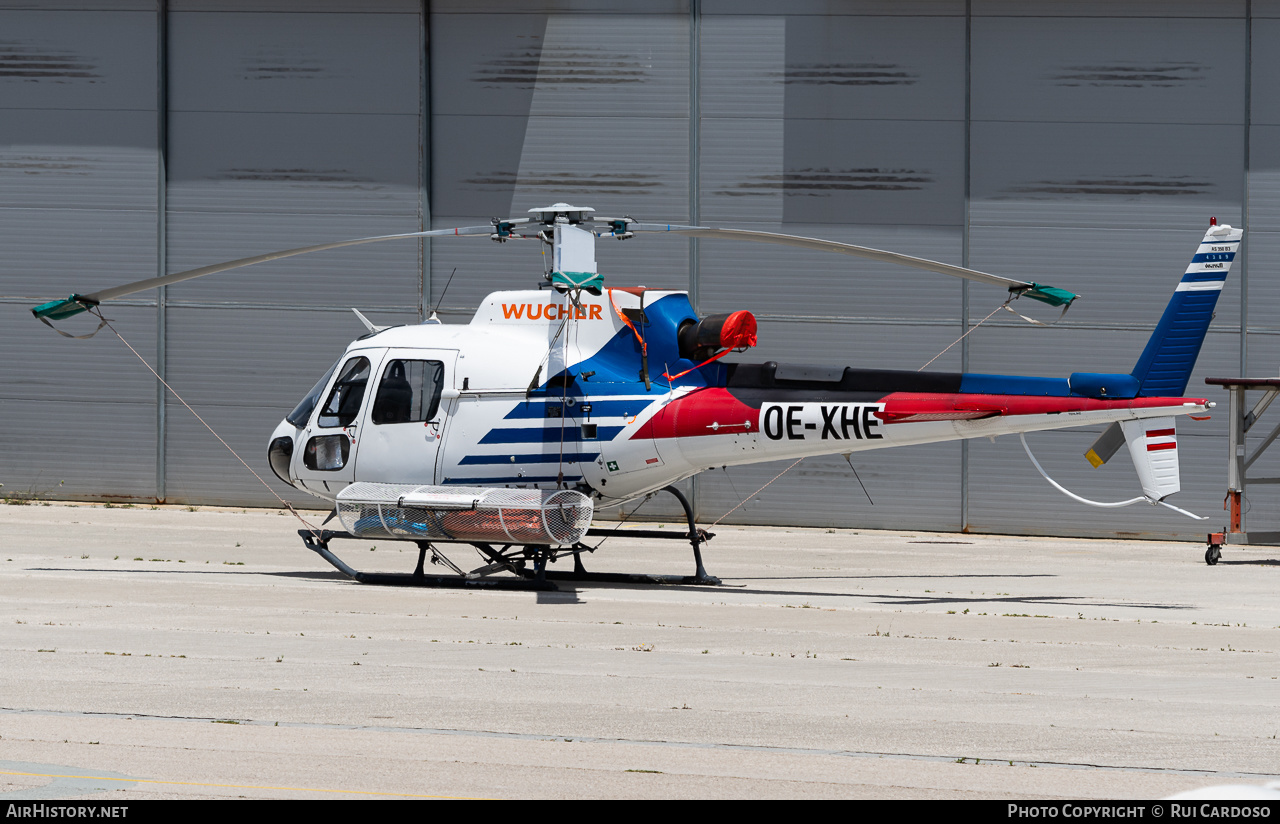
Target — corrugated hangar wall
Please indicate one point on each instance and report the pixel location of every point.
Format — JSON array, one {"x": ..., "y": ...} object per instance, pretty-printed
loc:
[{"x": 1082, "y": 144}]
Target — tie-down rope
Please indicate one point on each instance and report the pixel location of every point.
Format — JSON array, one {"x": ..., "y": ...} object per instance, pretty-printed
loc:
[
  {"x": 1113, "y": 505},
  {"x": 314, "y": 530}
]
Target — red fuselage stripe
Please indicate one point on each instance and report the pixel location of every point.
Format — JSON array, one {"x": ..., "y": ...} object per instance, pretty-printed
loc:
[
  {"x": 899, "y": 405},
  {"x": 705, "y": 412},
  {"x": 716, "y": 411}
]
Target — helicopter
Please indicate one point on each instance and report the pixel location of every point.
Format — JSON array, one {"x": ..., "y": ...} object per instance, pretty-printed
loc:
[{"x": 507, "y": 432}]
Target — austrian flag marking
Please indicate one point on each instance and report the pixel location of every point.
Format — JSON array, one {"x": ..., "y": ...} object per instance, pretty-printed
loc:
[{"x": 1161, "y": 439}]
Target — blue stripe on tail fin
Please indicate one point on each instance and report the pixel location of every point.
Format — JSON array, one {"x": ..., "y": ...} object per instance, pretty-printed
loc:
[{"x": 1165, "y": 366}]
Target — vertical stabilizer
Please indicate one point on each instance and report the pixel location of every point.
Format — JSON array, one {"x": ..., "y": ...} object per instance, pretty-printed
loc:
[
  {"x": 1165, "y": 366},
  {"x": 1154, "y": 449}
]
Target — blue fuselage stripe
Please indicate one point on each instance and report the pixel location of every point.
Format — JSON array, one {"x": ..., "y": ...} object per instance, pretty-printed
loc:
[
  {"x": 548, "y": 434},
  {"x": 976, "y": 384},
  {"x": 532, "y": 410},
  {"x": 569, "y": 457},
  {"x": 511, "y": 479}
]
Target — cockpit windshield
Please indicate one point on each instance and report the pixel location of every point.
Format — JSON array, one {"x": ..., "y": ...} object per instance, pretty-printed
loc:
[
  {"x": 347, "y": 395},
  {"x": 302, "y": 412}
]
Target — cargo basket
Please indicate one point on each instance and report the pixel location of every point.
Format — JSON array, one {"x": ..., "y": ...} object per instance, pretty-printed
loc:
[{"x": 465, "y": 513}]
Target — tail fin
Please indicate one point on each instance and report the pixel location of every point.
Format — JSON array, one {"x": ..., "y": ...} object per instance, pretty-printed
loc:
[
  {"x": 1165, "y": 366},
  {"x": 1154, "y": 449}
]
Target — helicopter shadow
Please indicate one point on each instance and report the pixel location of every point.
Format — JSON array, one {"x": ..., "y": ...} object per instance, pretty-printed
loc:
[
  {"x": 1052, "y": 600},
  {"x": 562, "y": 597},
  {"x": 195, "y": 571},
  {"x": 304, "y": 575},
  {"x": 892, "y": 577},
  {"x": 571, "y": 594},
  {"x": 311, "y": 575},
  {"x": 888, "y": 599},
  {"x": 878, "y": 598}
]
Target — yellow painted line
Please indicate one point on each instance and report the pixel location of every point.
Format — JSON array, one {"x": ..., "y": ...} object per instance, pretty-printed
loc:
[{"x": 240, "y": 786}]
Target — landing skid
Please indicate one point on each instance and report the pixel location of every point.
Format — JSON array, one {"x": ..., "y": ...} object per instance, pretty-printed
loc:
[
  {"x": 319, "y": 544},
  {"x": 527, "y": 563}
]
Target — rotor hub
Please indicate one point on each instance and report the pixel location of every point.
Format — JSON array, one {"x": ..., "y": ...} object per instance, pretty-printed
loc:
[{"x": 562, "y": 213}]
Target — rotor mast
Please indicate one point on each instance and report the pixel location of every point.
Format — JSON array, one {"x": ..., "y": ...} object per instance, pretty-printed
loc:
[{"x": 568, "y": 229}]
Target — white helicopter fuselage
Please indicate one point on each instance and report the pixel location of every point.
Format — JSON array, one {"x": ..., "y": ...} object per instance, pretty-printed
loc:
[
  {"x": 495, "y": 431},
  {"x": 537, "y": 392}
]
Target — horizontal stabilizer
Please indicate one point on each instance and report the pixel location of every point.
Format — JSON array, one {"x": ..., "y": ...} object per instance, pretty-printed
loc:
[{"x": 1107, "y": 445}]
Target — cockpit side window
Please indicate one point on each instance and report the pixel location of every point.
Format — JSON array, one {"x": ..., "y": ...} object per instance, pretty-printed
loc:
[
  {"x": 347, "y": 394},
  {"x": 302, "y": 412},
  {"x": 409, "y": 391}
]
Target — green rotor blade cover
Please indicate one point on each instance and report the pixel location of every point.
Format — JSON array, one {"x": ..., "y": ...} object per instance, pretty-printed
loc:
[
  {"x": 1050, "y": 295},
  {"x": 578, "y": 280},
  {"x": 59, "y": 309}
]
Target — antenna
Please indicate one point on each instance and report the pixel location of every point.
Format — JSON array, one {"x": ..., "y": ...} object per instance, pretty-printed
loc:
[{"x": 442, "y": 294}]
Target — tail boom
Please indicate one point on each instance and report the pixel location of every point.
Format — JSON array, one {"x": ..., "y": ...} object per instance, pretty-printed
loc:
[{"x": 713, "y": 427}]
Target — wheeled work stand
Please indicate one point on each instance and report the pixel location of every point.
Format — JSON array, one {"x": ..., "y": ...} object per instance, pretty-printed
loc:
[{"x": 1238, "y": 464}]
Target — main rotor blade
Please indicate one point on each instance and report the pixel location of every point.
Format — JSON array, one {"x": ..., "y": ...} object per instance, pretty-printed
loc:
[
  {"x": 840, "y": 248},
  {"x": 178, "y": 277}
]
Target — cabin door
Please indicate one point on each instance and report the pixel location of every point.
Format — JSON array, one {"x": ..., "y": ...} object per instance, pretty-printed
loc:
[{"x": 405, "y": 421}]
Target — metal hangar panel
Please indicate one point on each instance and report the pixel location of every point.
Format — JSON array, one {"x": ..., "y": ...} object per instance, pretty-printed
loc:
[{"x": 1082, "y": 144}]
